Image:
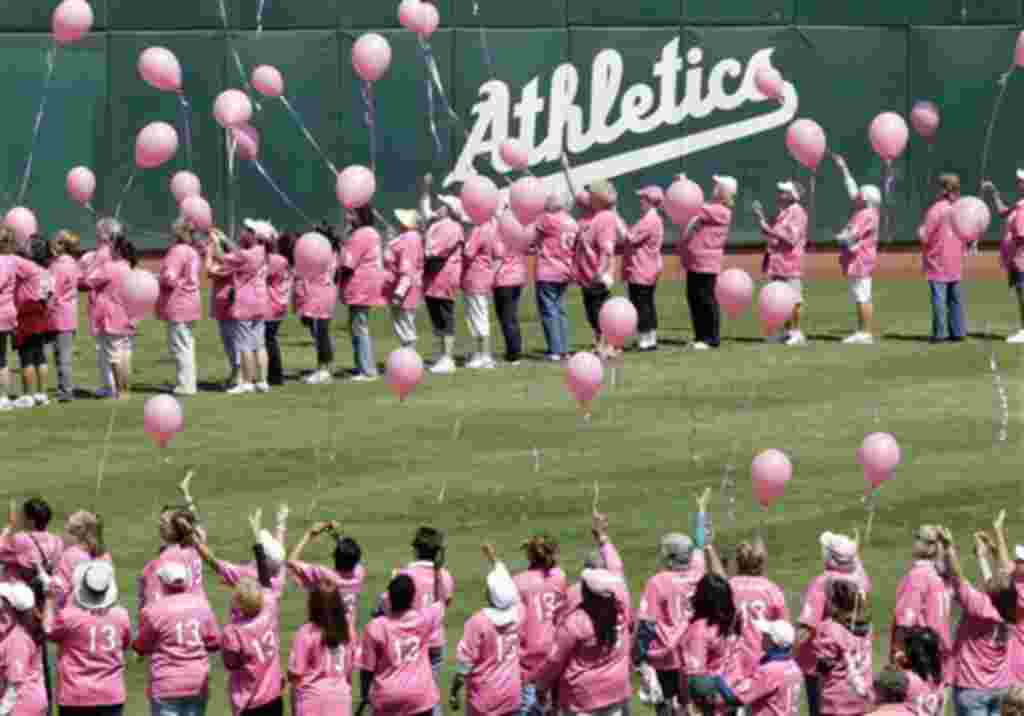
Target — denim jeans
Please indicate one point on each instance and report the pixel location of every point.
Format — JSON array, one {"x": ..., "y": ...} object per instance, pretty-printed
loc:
[
  {"x": 362, "y": 343},
  {"x": 320, "y": 330},
  {"x": 64, "y": 355},
  {"x": 436, "y": 662},
  {"x": 813, "y": 695},
  {"x": 189, "y": 706},
  {"x": 947, "y": 304},
  {"x": 553, "y": 317},
  {"x": 506, "y": 305},
  {"x": 978, "y": 702},
  {"x": 528, "y": 701}
]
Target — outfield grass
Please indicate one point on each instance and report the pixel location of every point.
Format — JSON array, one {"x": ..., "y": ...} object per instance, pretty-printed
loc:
[{"x": 654, "y": 441}]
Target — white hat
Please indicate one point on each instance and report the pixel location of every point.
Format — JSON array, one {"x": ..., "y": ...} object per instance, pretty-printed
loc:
[
  {"x": 261, "y": 229},
  {"x": 789, "y": 187},
  {"x": 272, "y": 549},
  {"x": 1018, "y": 553},
  {"x": 407, "y": 218},
  {"x": 600, "y": 581},
  {"x": 1020, "y": 174},
  {"x": 455, "y": 204},
  {"x": 504, "y": 597},
  {"x": 18, "y": 595},
  {"x": 871, "y": 195},
  {"x": 677, "y": 549},
  {"x": 839, "y": 549},
  {"x": 726, "y": 182},
  {"x": 174, "y": 574},
  {"x": 94, "y": 585},
  {"x": 780, "y": 632}
]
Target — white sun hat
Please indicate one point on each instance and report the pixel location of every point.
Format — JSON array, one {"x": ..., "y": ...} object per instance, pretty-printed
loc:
[{"x": 94, "y": 585}]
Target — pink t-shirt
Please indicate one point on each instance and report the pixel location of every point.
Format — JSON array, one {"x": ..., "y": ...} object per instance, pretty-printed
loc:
[
  {"x": 63, "y": 306},
  {"x": 512, "y": 269},
  {"x": 248, "y": 269},
  {"x": 90, "y": 660},
  {"x": 279, "y": 287},
  {"x": 922, "y": 600},
  {"x": 179, "y": 285},
  {"x": 177, "y": 633},
  {"x": 863, "y": 229},
  {"x": 231, "y": 574},
  {"x": 813, "y": 611},
  {"x": 324, "y": 675},
  {"x": 556, "y": 238},
  {"x": 350, "y": 584},
  {"x": 363, "y": 260},
  {"x": 1011, "y": 248},
  {"x": 542, "y": 595},
  {"x": 14, "y": 272},
  {"x": 758, "y": 598},
  {"x": 772, "y": 690},
  {"x": 847, "y": 688},
  {"x": 595, "y": 248},
  {"x": 705, "y": 250},
  {"x": 403, "y": 260},
  {"x": 786, "y": 255},
  {"x": 21, "y": 551},
  {"x": 444, "y": 239},
  {"x": 489, "y": 657},
  {"x": 396, "y": 650},
  {"x": 317, "y": 297},
  {"x": 942, "y": 250},
  {"x": 21, "y": 666},
  {"x": 924, "y": 698},
  {"x": 109, "y": 315},
  {"x": 220, "y": 298},
  {"x": 641, "y": 259},
  {"x": 150, "y": 589},
  {"x": 479, "y": 259},
  {"x": 64, "y": 573},
  {"x": 703, "y": 651},
  {"x": 86, "y": 264},
  {"x": 422, "y": 575},
  {"x": 252, "y": 657},
  {"x": 666, "y": 604},
  {"x": 982, "y": 646}
]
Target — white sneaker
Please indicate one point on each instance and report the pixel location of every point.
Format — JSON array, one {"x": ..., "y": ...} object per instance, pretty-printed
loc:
[
  {"x": 796, "y": 338},
  {"x": 263, "y": 387},
  {"x": 25, "y": 401},
  {"x": 312, "y": 379},
  {"x": 553, "y": 357},
  {"x": 180, "y": 390},
  {"x": 242, "y": 389},
  {"x": 363, "y": 378},
  {"x": 41, "y": 399},
  {"x": 444, "y": 366},
  {"x": 484, "y": 363},
  {"x": 474, "y": 361},
  {"x": 701, "y": 346},
  {"x": 1017, "y": 337},
  {"x": 779, "y": 338},
  {"x": 5, "y": 404},
  {"x": 859, "y": 338}
]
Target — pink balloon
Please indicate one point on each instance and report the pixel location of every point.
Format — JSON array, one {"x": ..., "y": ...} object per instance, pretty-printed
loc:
[
  {"x": 81, "y": 183},
  {"x": 312, "y": 255},
  {"x": 924, "y": 117},
  {"x": 197, "y": 210},
  {"x": 162, "y": 419},
  {"x": 514, "y": 154},
  {"x": 156, "y": 143},
  {"x": 527, "y": 198},
  {"x": 775, "y": 305},
  {"x": 429, "y": 19},
  {"x": 734, "y": 291},
  {"x": 404, "y": 371},
  {"x": 806, "y": 142},
  {"x": 268, "y": 81},
  {"x": 139, "y": 293},
  {"x": 888, "y": 134},
  {"x": 355, "y": 187},
  {"x": 247, "y": 142},
  {"x": 71, "y": 21},
  {"x": 584, "y": 374},
  {"x": 409, "y": 15},
  {"x": 24, "y": 223},
  {"x": 971, "y": 218},
  {"x": 769, "y": 82},
  {"x": 513, "y": 233},
  {"x": 160, "y": 69},
  {"x": 479, "y": 199},
  {"x": 1018, "y": 53},
  {"x": 682, "y": 200},
  {"x": 618, "y": 319},
  {"x": 184, "y": 184},
  {"x": 879, "y": 455},
  {"x": 371, "y": 57},
  {"x": 232, "y": 108},
  {"x": 771, "y": 470}
]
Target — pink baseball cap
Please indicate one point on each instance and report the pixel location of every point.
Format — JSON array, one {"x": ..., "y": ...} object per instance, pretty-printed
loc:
[{"x": 652, "y": 193}]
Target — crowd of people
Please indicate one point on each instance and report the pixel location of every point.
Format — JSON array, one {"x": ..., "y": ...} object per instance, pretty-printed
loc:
[
  {"x": 710, "y": 634},
  {"x": 432, "y": 256}
]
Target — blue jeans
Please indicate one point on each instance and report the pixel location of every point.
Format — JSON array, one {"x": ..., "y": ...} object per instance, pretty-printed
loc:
[
  {"x": 813, "y": 695},
  {"x": 947, "y": 303},
  {"x": 528, "y": 701},
  {"x": 978, "y": 702},
  {"x": 189, "y": 706},
  {"x": 436, "y": 662},
  {"x": 362, "y": 343},
  {"x": 553, "y": 317}
]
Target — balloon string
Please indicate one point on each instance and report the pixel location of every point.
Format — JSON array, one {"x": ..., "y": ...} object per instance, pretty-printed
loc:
[
  {"x": 51, "y": 63},
  {"x": 232, "y": 149},
  {"x": 106, "y": 451},
  {"x": 371, "y": 122},
  {"x": 124, "y": 192},
  {"x": 886, "y": 204},
  {"x": 307, "y": 134},
  {"x": 259, "y": 16},
  {"x": 432, "y": 118},
  {"x": 435, "y": 75},
  {"x": 1004, "y": 83},
  {"x": 280, "y": 193},
  {"x": 484, "y": 48},
  {"x": 186, "y": 110}
]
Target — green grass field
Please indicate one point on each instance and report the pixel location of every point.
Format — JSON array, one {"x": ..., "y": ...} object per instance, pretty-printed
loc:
[{"x": 665, "y": 432}]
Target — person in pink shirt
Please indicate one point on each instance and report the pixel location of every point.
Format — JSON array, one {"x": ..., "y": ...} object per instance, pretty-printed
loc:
[
  {"x": 251, "y": 652},
  {"x": 842, "y": 648},
  {"x": 316, "y": 298},
  {"x": 28, "y": 552},
  {"x": 403, "y": 261},
  {"x": 179, "y": 304},
  {"x": 605, "y": 557},
  {"x": 589, "y": 667},
  {"x": 108, "y": 231},
  {"x": 786, "y": 237},
  {"x": 114, "y": 328},
  {"x": 858, "y": 255},
  {"x": 594, "y": 257},
  {"x": 1011, "y": 248},
  {"x": 702, "y": 250},
  {"x": 280, "y": 284},
  {"x": 487, "y": 659},
  {"x": 362, "y": 285},
  {"x": 480, "y": 255},
  {"x": 63, "y": 309},
  {"x": 394, "y": 658},
  {"x": 942, "y": 253},
  {"x": 85, "y": 545},
  {"x": 442, "y": 276},
  {"x": 919, "y": 655},
  {"x": 21, "y": 655},
  {"x": 177, "y": 634},
  {"x": 323, "y": 657},
  {"x": 33, "y": 328},
  {"x": 220, "y": 302},
  {"x": 16, "y": 275},
  {"x": 92, "y": 633},
  {"x": 892, "y": 688},
  {"x": 176, "y": 528},
  {"x": 922, "y": 597},
  {"x": 542, "y": 592},
  {"x": 556, "y": 237},
  {"x": 348, "y": 575},
  {"x": 642, "y": 263},
  {"x": 510, "y": 275}
]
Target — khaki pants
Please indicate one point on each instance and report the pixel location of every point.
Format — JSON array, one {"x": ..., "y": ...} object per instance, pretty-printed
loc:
[{"x": 182, "y": 345}]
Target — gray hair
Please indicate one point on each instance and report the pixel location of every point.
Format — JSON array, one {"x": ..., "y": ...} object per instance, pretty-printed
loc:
[
  {"x": 109, "y": 229},
  {"x": 676, "y": 551}
]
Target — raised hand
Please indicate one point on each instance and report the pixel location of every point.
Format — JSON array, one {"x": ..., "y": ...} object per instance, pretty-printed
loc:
[
  {"x": 256, "y": 522},
  {"x": 703, "y": 499},
  {"x": 1000, "y": 520},
  {"x": 490, "y": 554}
]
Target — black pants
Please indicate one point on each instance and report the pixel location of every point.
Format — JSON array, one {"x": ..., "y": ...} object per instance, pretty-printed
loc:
[
  {"x": 593, "y": 298},
  {"x": 320, "y": 329},
  {"x": 707, "y": 318},
  {"x": 442, "y": 315},
  {"x": 32, "y": 350},
  {"x": 642, "y": 298},
  {"x": 506, "y": 305},
  {"x": 115, "y": 710},
  {"x": 274, "y": 708},
  {"x": 275, "y": 371}
]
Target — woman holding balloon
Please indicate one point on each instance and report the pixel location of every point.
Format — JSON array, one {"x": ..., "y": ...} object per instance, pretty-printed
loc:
[
  {"x": 403, "y": 260},
  {"x": 479, "y": 261},
  {"x": 442, "y": 274},
  {"x": 1011, "y": 250},
  {"x": 113, "y": 327},
  {"x": 179, "y": 304},
  {"x": 316, "y": 296},
  {"x": 16, "y": 274},
  {"x": 556, "y": 232},
  {"x": 942, "y": 252},
  {"x": 858, "y": 242},
  {"x": 362, "y": 278},
  {"x": 786, "y": 236},
  {"x": 593, "y": 262},
  {"x": 280, "y": 281},
  {"x": 642, "y": 263},
  {"x": 63, "y": 309}
]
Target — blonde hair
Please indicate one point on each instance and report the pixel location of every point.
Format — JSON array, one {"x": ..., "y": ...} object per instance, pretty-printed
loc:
[
  {"x": 950, "y": 183},
  {"x": 64, "y": 242},
  {"x": 726, "y": 197},
  {"x": 8, "y": 240},
  {"x": 1013, "y": 704},
  {"x": 86, "y": 528},
  {"x": 249, "y": 597},
  {"x": 750, "y": 559}
]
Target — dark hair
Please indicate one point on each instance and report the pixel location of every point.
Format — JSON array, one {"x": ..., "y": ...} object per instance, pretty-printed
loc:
[
  {"x": 327, "y": 611},
  {"x": 286, "y": 247},
  {"x": 1004, "y": 599},
  {"x": 330, "y": 233},
  {"x": 39, "y": 251},
  {"x": 126, "y": 250},
  {"x": 363, "y": 216},
  {"x": 37, "y": 511},
  {"x": 427, "y": 542},
  {"x": 180, "y": 514},
  {"x": 891, "y": 686},
  {"x": 401, "y": 591},
  {"x": 604, "y": 615},
  {"x": 712, "y": 602},
  {"x": 542, "y": 551},
  {"x": 347, "y": 554},
  {"x": 921, "y": 645}
]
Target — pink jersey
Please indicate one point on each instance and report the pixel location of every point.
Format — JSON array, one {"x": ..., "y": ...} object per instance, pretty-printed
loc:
[
  {"x": 403, "y": 261},
  {"x": 179, "y": 285},
  {"x": 109, "y": 314},
  {"x": 758, "y": 598},
  {"x": 488, "y": 656},
  {"x": 703, "y": 651},
  {"x": 220, "y": 297},
  {"x": 177, "y": 633},
  {"x": 512, "y": 269},
  {"x": 542, "y": 594},
  {"x": 773, "y": 689},
  {"x": 444, "y": 239},
  {"x": 422, "y": 575},
  {"x": 942, "y": 250},
  {"x": 280, "y": 279},
  {"x": 922, "y": 600},
  {"x": 252, "y": 657},
  {"x": 924, "y": 698},
  {"x": 813, "y": 611},
  {"x": 705, "y": 250},
  {"x": 248, "y": 269},
  {"x": 231, "y": 574},
  {"x": 786, "y": 255},
  {"x": 859, "y": 261},
  {"x": 595, "y": 248},
  {"x": 14, "y": 272},
  {"x": 63, "y": 306},
  {"x": 1011, "y": 248},
  {"x": 363, "y": 277},
  {"x": 666, "y": 604},
  {"x": 1017, "y": 654},
  {"x": 479, "y": 259},
  {"x": 982, "y": 646},
  {"x": 641, "y": 259},
  {"x": 847, "y": 686},
  {"x": 22, "y": 551},
  {"x": 150, "y": 589},
  {"x": 90, "y": 660},
  {"x": 322, "y": 675},
  {"x": 556, "y": 236},
  {"x": 64, "y": 573},
  {"x": 395, "y": 649},
  {"x": 350, "y": 584},
  {"x": 21, "y": 666},
  {"x": 317, "y": 297}
]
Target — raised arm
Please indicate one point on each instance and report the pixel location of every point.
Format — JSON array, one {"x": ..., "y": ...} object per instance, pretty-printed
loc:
[
  {"x": 281, "y": 523},
  {"x": 997, "y": 198},
  {"x": 1003, "y": 549},
  {"x": 599, "y": 529},
  {"x": 852, "y": 189},
  {"x": 314, "y": 531}
]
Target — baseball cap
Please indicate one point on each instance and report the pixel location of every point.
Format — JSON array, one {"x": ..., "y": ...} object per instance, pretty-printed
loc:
[
  {"x": 273, "y": 549},
  {"x": 780, "y": 632},
  {"x": 791, "y": 188},
  {"x": 173, "y": 574},
  {"x": 726, "y": 182},
  {"x": 407, "y": 218},
  {"x": 1020, "y": 174},
  {"x": 18, "y": 595},
  {"x": 261, "y": 229},
  {"x": 1018, "y": 553},
  {"x": 503, "y": 595},
  {"x": 652, "y": 193},
  {"x": 871, "y": 194},
  {"x": 839, "y": 548}
]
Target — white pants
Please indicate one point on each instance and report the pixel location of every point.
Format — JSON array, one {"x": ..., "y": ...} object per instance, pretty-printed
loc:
[
  {"x": 182, "y": 345},
  {"x": 478, "y": 315},
  {"x": 860, "y": 289},
  {"x": 404, "y": 323},
  {"x": 104, "y": 369},
  {"x": 110, "y": 349}
]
